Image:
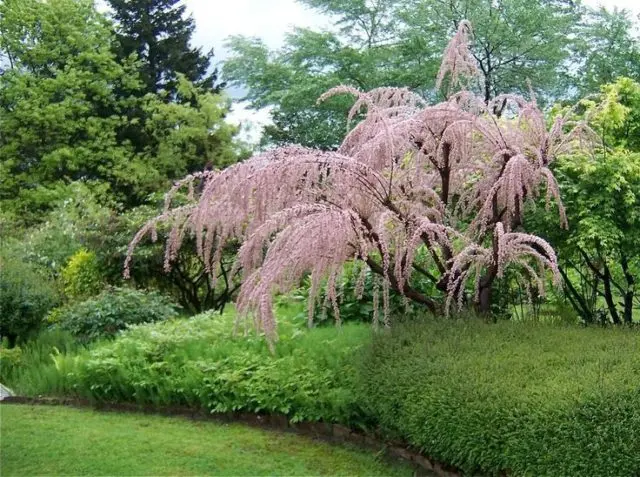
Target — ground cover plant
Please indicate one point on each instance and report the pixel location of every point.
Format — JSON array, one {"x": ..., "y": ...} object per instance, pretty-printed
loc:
[
  {"x": 64, "y": 441},
  {"x": 198, "y": 362},
  {"x": 526, "y": 398},
  {"x": 31, "y": 361}
]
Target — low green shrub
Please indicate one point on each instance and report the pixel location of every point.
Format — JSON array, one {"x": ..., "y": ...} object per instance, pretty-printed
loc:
[
  {"x": 112, "y": 311},
  {"x": 25, "y": 298},
  {"x": 9, "y": 360},
  {"x": 199, "y": 362},
  {"x": 523, "y": 398}
]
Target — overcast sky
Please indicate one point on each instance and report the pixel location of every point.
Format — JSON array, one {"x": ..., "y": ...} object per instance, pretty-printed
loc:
[{"x": 270, "y": 19}]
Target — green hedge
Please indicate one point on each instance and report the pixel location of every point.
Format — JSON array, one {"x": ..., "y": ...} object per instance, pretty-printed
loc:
[
  {"x": 519, "y": 398},
  {"x": 523, "y": 398}
]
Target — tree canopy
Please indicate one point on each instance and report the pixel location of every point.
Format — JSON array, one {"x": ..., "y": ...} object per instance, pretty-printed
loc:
[
  {"x": 600, "y": 251},
  {"x": 608, "y": 47},
  {"x": 392, "y": 43},
  {"x": 159, "y": 33},
  {"x": 72, "y": 111}
]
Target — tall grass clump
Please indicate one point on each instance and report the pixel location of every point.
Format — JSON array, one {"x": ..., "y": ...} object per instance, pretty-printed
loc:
[
  {"x": 39, "y": 365},
  {"x": 526, "y": 398}
]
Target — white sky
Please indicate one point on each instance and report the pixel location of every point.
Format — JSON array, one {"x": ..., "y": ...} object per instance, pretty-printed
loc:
[{"x": 269, "y": 20}]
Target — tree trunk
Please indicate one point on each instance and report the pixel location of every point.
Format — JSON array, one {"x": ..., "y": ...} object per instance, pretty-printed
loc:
[
  {"x": 576, "y": 299},
  {"x": 629, "y": 295},
  {"x": 608, "y": 295},
  {"x": 484, "y": 300}
]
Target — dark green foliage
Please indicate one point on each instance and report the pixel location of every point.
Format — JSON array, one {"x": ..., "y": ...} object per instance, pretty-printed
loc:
[
  {"x": 25, "y": 298},
  {"x": 159, "y": 33},
  {"x": 187, "y": 282},
  {"x": 112, "y": 311},
  {"x": 523, "y": 398},
  {"x": 353, "y": 308}
]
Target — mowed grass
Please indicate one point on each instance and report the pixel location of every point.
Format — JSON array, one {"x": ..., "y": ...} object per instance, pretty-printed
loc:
[{"x": 51, "y": 440}]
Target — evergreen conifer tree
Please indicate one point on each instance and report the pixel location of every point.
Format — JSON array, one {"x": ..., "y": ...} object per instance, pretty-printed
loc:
[{"x": 159, "y": 32}]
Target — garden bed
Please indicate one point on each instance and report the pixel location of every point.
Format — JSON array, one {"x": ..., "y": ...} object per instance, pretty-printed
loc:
[{"x": 506, "y": 398}]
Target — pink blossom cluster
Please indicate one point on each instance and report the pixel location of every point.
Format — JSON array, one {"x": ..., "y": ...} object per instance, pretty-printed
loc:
[{"x": 436, "y": 190}]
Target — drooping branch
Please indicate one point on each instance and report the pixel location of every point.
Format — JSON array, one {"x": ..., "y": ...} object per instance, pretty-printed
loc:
[{"x": 452, "y": 179}]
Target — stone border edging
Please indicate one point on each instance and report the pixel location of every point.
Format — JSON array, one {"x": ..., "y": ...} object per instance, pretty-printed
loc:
[{"x": 318, "y": 430}]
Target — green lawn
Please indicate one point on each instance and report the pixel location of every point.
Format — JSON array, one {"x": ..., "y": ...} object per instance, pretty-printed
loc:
[{"x": 50, "y": 440}]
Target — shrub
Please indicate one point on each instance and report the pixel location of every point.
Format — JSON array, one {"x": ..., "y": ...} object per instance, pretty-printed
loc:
[
  {"x": 25, "y": 298},
  {"x": 113, "y": 310},
  {"x": 198, "y": 362},
  {"x": 352, "y": 306},
  {"x": 78, "y": 211},
  {"x": 9, "y": 360},
  {"x": 526, "y": 399},
  {"x": 186, "y": 283},
  {"x": 81, "y": 276}
]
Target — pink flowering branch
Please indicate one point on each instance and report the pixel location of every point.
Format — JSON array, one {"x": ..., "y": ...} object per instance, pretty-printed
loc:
[{"x": 448, "y": 183}]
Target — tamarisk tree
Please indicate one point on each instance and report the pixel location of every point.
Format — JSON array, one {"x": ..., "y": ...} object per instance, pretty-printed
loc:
[{"x": 437, "y": 191}]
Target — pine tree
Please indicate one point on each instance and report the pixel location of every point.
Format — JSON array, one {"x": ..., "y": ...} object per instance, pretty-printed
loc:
[{"x": 159, "y": 32}]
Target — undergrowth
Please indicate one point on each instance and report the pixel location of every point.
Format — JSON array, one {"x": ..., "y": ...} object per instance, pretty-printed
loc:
[{"x": 521, "y": 398}]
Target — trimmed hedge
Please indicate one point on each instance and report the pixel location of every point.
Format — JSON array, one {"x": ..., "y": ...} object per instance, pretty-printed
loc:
[
  {"x": 506, "y": 398},
  {"x": 525, "y": 399}
]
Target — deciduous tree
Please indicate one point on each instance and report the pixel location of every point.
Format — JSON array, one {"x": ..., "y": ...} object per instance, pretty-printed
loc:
[
  {"x": 608, "y": 47},
  {"x": 72, "y": 112},
  {"x": 397, "y": 43},
  {"x": 600, "y": 252},
  {"x": 438, "y": 191}
]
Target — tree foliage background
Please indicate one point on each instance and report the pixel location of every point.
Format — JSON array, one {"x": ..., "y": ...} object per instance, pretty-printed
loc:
[
  {"x": 101, "y": 112},
  {"x": 554, "y": 46}
]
